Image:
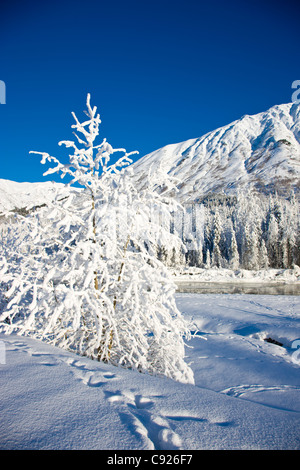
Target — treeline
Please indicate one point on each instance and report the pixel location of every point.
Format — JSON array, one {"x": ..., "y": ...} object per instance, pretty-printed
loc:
[{"x": 247, "y": 231}]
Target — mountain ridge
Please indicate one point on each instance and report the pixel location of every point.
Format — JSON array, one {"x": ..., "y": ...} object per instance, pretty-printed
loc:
[
  {"x": 259, "y": 152},
  {"x": 25, "y": 196}
]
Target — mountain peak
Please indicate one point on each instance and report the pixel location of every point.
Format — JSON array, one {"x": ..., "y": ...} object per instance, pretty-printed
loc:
[{"x": 259, "y": 152}]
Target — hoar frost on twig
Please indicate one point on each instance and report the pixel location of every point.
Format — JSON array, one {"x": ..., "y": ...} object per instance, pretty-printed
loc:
[{"x": 82, "y": 272}]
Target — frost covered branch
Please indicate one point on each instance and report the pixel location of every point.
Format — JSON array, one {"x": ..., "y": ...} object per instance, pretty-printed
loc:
[{"x": 82, "y": 273}]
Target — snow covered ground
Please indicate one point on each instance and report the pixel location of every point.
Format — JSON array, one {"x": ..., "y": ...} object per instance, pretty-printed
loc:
[
  {"x": 246, "y": 393},
  {"x": 245, "y": 276},
  {"x": 26, "y": 195}
]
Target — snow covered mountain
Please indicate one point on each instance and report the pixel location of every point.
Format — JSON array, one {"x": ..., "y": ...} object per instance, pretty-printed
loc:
[
  {"x": 24, "y": 196},
  {"x": 261, "y": 152}
]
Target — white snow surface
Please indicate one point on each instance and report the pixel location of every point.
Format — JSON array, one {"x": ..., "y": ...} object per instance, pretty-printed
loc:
[
  {"x": 260, "y": 152},
  {"x": 246, "y": 393},
  {"x": 238, "y": 276},
  {"x": 25, "y": 195}
]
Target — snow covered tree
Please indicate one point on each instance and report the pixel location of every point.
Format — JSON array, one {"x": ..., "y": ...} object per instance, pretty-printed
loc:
[
  {"x": 217, "y": 231},
  {"x": 208, "y": 260},
  {"x": 263, "y": 255},
  {"x": 86, "y": 276},
  {"x": 194, "y": 255},
  {"x": 272, "y": 245},
  {"x": 233, "y": 254},
  {"x": 250, "y": 249}
]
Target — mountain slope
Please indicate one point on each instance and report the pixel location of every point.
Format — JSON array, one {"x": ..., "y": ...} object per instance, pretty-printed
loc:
[
  {"x": 24, "y": 196},
  {"x": 260, "y": 152}
]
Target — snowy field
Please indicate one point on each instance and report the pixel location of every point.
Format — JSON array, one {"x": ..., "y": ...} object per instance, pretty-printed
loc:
[
  {"x": 238, "y": 276},
  {"x": 246, "y": 393}
]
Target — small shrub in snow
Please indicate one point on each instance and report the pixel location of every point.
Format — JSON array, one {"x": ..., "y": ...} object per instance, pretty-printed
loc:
[{"x": 82, "y": 272}]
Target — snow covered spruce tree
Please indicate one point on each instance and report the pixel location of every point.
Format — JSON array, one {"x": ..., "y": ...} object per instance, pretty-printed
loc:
[{"x": 86, "y": 277}]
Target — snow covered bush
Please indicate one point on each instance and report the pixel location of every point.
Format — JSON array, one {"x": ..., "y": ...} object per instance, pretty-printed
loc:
[{"x": 82, "y": 272}]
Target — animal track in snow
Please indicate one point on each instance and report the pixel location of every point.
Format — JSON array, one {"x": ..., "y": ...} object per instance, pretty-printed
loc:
[
  {"x": 142, "y": 402},
  {"x": 240, "y": 390},
  {"x": 141, "y": 413},
  {"x": 46, "y": 358},
  {"x": 88, "y": 376},
  {"x": 279, "y": 400},
  {"x": 80, "y": 368},
  {"x": 154, "y": 430}
]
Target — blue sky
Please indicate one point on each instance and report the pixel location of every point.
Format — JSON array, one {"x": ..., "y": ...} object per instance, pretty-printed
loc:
[{"x": 160, "y": 72}]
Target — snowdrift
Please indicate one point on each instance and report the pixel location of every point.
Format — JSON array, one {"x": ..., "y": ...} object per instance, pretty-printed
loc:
[{"x": 246, "y": 396}]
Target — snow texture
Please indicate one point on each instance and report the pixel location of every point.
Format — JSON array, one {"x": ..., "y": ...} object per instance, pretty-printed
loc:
[
  {"x": 246, "y": 393},
  {"x": 238, "y": 276},
  {"x": 260, "y": 152},
  {"x": 26, "y": 196}
]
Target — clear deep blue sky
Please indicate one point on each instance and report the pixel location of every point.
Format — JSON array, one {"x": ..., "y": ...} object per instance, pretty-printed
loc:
[{"x": 159, "y": 71}]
